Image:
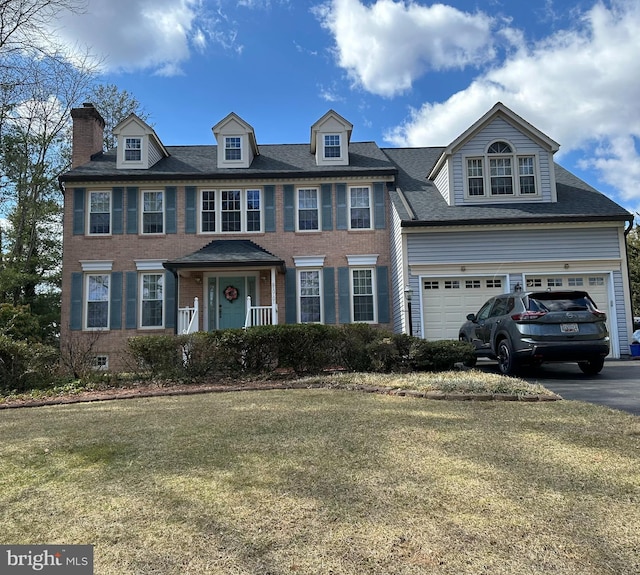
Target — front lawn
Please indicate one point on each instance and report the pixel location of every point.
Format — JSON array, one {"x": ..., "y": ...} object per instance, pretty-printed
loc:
[{"x": 326, "y": 482}]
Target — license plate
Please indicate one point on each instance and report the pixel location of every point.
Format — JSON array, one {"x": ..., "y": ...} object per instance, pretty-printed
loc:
[{"x": 569, "y": 327}]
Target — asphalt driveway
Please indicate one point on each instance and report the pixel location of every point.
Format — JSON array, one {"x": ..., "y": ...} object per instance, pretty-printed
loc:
[{"x": 617, "y": 386}]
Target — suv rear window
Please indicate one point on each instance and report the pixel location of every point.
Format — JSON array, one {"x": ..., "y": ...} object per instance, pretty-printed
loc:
[{"x": 560, "y": 301}]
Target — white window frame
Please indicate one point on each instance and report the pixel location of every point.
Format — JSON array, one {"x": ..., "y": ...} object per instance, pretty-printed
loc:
[
  {"x": 87, "y": 300},
  {"x": 483, "y": 162},
  {"x": 129, "y": 147},
  {"x": 320, "y": 296},
  {"x": 350, "y": 207},
  {"x": 142, "y": 299},
  {"x": 90, "y": 212},
  {"x": 317, "y": 209},
  {"x": 327, "y": 145},
  {"x": 244, "y": 210},
  {"x": 143, "y": 212},
  {"x": 232, "y": 139},
  {"x": 100, "y": 362},
  {"x": 372, "y": 271}
]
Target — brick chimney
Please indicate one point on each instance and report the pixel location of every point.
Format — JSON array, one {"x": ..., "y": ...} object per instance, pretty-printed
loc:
[{"x": 88, "y": 134}]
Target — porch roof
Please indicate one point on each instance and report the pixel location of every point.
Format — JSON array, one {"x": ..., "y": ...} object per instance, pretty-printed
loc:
[{"x": 227, "y": 254}]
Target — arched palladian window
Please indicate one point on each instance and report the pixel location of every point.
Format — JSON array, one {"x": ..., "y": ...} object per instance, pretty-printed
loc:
[{"x": 502, "y": 172}]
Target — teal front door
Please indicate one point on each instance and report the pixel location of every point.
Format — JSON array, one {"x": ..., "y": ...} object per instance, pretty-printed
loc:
[{"x": 227, "y": 302}]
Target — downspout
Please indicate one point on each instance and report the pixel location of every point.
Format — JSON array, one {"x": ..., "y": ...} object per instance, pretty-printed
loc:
[{"x": 176, "y": 302}]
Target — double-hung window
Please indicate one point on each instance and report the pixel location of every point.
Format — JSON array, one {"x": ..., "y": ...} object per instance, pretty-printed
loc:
[
  {"x": 501, "y": 173},
  {"x": 152, "y": 301},
  {"x": 362, "y": 288},
  {"x": 308, "y": 213},
  {"x": 132, "y": 149},
  {"x": 332, "y": 146},
  {"x": 152, "y": 212},
  {"x": 100, "y": 212},
  {"x": 232, "y": 148},
  {"x": 360, "y": 208},
  {"x": 97, "y": 301},
  {"x": 310, "y": 296},
  {"x": 231, "y": 211}
]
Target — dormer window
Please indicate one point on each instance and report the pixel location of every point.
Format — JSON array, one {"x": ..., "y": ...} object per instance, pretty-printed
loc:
[
  {"x": 233, "y": 148},
  {"x": 501, "y": 172},
  {"x": 332, "y": 148},
  {"x": 132, "y": 149}
]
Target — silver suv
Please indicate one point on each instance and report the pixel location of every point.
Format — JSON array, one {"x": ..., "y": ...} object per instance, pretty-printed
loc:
[{"x": 529, "y": 328}]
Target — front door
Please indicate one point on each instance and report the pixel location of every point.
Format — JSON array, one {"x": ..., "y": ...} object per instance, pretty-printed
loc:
[{"x": 227, "y": 302}]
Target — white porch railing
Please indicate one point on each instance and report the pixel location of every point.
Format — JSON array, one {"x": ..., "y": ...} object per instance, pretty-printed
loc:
[
  {"x": 188, "y": 318},
  {"x": 260, "y": 314}
]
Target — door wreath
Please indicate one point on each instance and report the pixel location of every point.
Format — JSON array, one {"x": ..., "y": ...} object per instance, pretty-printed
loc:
[{"x": 231, "y": 293}]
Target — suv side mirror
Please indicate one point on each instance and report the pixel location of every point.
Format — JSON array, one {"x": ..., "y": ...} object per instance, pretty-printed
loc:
[{"x": 472, "y": 317}]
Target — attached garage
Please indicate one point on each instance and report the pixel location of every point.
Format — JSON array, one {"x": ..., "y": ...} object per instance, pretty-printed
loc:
[
  {"x": 447, "y": 301},
  {"x": 596, "y": 285}
]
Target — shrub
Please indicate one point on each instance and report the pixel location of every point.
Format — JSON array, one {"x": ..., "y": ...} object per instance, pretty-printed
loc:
[
  {"x": 439, "y": 355},
  {"x": 160, "y": 355},
  {"x": 25, "y": 366}
]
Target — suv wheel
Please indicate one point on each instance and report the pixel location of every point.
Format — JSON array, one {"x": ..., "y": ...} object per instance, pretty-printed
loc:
[
  {"x": 506, "y": 361},
  {"x": 592, "y": 366}
]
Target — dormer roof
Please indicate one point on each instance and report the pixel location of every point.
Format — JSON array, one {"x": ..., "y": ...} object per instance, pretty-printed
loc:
[
  {"x": 144, "y": 129},
  {"x": 232, "y": 121},
  {"x": 327, "y": 124},
  {"x": 499, "y": 110}
]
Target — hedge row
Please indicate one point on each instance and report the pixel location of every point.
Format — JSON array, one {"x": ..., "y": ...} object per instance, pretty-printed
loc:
[
  {"x": 25, "y": 366},
  {"x": 302, "y": 348}
]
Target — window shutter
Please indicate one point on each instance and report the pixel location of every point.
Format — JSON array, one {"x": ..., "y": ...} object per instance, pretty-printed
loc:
[
  {"x": 75, "y": 318},
  {"x": 341, "y": 206},
  {"x": 329, "y": 280},
  {"x": 290, "y": 296},
  {"x": 131, "y": 312},
  {"x": 117, "y": 196},
  {"x": 132, "y": 210},
  {"x": 78, "y": 211},
  {"x": 170, "y": 210},
  {"x": 115, "y": 321},
  {"x": 327, "y": 207},
  {"x": 190, "y": 218},
  {"x": 382, "y": 285},
  {"x": 378, "y": 199},
  {"x": 269, "y": 208},
  {"x": 289, "y": 216},
  {"x": 170, "y": 300},
  {"x": 344, "y": 296}
]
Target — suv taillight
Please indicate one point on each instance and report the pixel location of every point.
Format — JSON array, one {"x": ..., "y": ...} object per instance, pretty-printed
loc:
[
  {"x": 599, "y": 314},
  {"x": 528, "y": 315}
]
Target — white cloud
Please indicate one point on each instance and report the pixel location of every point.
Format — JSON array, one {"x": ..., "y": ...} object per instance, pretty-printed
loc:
[
  {"x": 580, "y": 86},
  {"x": 386, "y": 46},
  {"x": 131, "y": 35}
]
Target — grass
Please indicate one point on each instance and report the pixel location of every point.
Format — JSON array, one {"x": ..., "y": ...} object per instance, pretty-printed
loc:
[{"x": 326, "y": 482}]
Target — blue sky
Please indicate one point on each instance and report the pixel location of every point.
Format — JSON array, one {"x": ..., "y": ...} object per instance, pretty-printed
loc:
[{"x": 403, "y": 73}]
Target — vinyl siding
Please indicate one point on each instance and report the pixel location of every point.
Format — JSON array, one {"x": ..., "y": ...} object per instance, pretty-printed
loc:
[
  {"x": 397, "y": 287},
  {"x": 442, "y": 182}
]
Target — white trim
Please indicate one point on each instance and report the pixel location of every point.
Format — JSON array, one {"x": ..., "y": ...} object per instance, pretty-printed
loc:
[
  {"x": 244, "y": 211},
  {"x": 309, "y": 261},
  {"x": 89, "y": 212},
  {"x": 96, "y": 265},
  {"x": 142, "y": 212},
  {"x": 86, "y": 302},
  {"x": 320, "y": 293},
  {"x": 363, "y": 260},
  {"x": 374, "y": 294},
  {"x": 318, "y": 208},
  {"x": 149, "y": 265},
  {"x": 371, "y": 208}
]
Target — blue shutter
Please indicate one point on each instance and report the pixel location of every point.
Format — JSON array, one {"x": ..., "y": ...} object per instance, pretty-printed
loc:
[
  {"x": 170, "y": 209},
  {"x": 116, "y": 301},
  {"x": 341, "y": 206},
  {"x": 289, "y": 215},
  {"x": 327, "y": 207},
  {"x": 170, "y": 310},
  {"x": 329, "y": 288},
  {"x": 378, "y": 200},
  {"x": 117, "y": 197},
  {"x": 344, "y": 296},
  {"x": 382, "y": 285},
  {"x": 131, "y": 312},
  {"x": 190, "y": 219},
  {"x": 75, "y": 316},
  {"x": 132, "y": 210},
  {"x": 290, "y": 296},
  {"x": 78, "y": 211},
  {"x": 269, "y": 208}
]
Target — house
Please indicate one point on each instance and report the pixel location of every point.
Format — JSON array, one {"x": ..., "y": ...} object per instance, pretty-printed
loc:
[{"x": 164, "y": 239}]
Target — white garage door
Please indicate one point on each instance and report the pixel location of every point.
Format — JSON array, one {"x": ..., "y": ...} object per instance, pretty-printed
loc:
[
  {"x": 448, "y": 301},
  {"x": 595, "y": 285}
]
